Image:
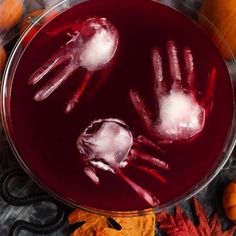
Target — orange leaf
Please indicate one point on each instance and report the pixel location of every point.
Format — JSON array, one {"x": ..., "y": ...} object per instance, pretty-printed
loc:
[
  {"x": 92, "y": 224},
  {"x": 97, "y": 225},
  {"x": 109, "y": 232},
  {"x": 137, "y": 226}
]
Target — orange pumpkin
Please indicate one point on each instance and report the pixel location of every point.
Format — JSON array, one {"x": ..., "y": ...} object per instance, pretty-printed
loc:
[
  {"x": 10, "y": 13},
  {"x": 222, "y": 14},
  {"x": 3, "y": 57},
  {"x": 229, "y": 201}
]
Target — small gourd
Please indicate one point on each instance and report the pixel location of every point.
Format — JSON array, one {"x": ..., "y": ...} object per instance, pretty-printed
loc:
[
  {"x": 229, "y": 201},
  {"x": 10, "y": 13},
  {"x": 222, "y": 14}
]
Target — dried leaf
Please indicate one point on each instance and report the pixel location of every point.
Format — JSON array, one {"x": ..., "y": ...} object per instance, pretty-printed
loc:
[
  {"x": 137, "y": 226},
  {"x": 109, "y": 232},
  {"x": 181, "y": 225},
  {"x": 92, "y": 224},
  {"x": 203, "y": 227},
  {"x": 96, "y": 225},
  {"x": 178, "y": 225}
]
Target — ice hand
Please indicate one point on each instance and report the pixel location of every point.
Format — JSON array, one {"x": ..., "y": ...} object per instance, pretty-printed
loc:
[
  {"x": 92, "y": 47},
  {"x": 108, "y": 145},
  {"x": 181, "y": 114}
]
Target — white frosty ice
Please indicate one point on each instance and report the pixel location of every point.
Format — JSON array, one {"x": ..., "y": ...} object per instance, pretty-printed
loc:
[
  {"x": 99, "y": 49},
  {"x": 180, "y": 115}
]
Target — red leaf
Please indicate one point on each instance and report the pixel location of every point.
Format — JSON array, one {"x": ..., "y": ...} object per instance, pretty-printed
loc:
[{"x": 181, "y": 225}]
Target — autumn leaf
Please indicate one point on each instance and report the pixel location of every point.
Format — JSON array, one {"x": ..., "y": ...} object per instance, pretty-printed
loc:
[
  {"x": 92, "y": 223},
  {"x": 181, "y": 225},
  {"x": 109, "y": 232},
  {"x": 97, "y": 225},
  {"x": 137, "y": 226}
]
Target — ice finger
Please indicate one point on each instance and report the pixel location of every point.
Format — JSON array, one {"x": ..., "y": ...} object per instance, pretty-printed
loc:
[
  {"x": 65, "y": 28},
  {"x": 143, "y": 193},
  {"x": 79, "y": 92},
  {"x": 174, "y": 66},
  {"x": 46, "y": 68},
  {"x": 142, "y": 140},
  {"x": 207, "y": 99},
  {"x": 137, "y": 154},
  {"x": 189, "y": 66},
  {"x": 159, "y": 84},
  {"x": 211, "y": 84},
  {"x": 141, "y": 109},
  {"x": 91, "y": 173},
  {"x": 54, "y": 83},
  {"x": 151, "y": 172},
  {"x": 103, "y": 77}
]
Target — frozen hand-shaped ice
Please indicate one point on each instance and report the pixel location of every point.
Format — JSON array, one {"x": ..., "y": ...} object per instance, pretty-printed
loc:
[
  {"x": 108, "y": 145},
  {"x": 92, "y": 47},
  {"x": 179, "y": 115}
]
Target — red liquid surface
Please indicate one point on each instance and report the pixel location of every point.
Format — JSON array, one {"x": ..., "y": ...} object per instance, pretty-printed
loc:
[{"x": 45, "y": 136}]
